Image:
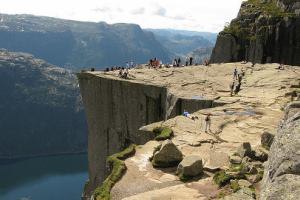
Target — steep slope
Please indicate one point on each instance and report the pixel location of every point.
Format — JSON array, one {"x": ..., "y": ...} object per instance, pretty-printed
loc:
[
  {"x": 73, "y": 43},
  {"x": 265, "y": 31},
  {"x": 40, "y": 106}
]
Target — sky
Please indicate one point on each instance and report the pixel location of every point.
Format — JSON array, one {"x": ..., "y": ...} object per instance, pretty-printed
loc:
[{"x": 197, "y": 15}]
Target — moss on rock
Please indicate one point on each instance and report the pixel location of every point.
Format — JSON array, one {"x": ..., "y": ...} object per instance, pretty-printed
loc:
[
  {"x": 118, "y": 169},
  {"x": 163, "y": 133},
  {"x": 221, "y": 178}
]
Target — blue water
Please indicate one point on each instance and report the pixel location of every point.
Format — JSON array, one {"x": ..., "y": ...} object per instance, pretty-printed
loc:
[{"x": 45, "y": 178}]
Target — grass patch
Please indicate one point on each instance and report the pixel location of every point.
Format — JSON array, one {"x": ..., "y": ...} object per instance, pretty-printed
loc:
[
  {"x": 162, "y": 133},
  {"x": 221, "y": 178},
  {"x": 118, "y": 168},
  {"x": 234, "y": 186}
]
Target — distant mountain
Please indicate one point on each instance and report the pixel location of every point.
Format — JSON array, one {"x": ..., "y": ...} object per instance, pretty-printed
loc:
[
  {"x": 80, "y": 44},
  {"x": 165, "y": 32},
  {"x": 40, "y": 108},
  {"x": 183, "y": 43}
]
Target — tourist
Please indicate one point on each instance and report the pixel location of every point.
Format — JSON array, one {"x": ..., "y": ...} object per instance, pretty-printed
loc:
[
  {"x": 120, "y": 73},
  {"x": 188, "y": 115},
  {"x": 231, "y": 88},
  {"x": 235, "y": 74},
  {"x": 175, "y": 62},
  {"x": 240, "y": 78},
  {"x": 237, "y": 88},
  {"x": 131, "y": 64},
  {"x": 187, "y": 61},
  {"x": 178, "y": 62},
  {"x": 191, "y": 61},
  {"x": 207, "y": 122}
]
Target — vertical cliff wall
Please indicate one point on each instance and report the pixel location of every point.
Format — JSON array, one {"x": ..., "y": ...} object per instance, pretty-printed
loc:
[
  {"x": 265, "y": 31},
  {"x": 115, "y": 111},
  {"x": 282, "y": 173}
]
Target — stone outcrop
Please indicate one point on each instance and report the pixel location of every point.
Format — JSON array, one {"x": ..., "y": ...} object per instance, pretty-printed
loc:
[
  {"x": 265, "y": 31},
  {"x": 190, "y": 167},
  {"x": 282, "y": 173},
  {"x": 167, "y": 156}
]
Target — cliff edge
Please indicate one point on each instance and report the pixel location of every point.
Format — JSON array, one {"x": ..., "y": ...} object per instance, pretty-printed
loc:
[{"x": 265, "y": 31}]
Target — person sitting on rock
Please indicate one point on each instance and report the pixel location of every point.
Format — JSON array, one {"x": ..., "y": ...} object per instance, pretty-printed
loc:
[
  {"x": 188, "y": 115},
  {"x": 207, "y": 122},
  {"x": 120, "y": 73}
]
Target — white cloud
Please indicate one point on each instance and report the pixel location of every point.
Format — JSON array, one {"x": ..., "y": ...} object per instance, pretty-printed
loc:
[{"x": 200, "y": 15}]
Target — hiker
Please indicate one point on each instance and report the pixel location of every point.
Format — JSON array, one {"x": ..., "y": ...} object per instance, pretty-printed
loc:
[
  {"x": 240, "y": 78},
  {"x": 237, "y": 88},
  {"x": 131, "y": 64},
  {"x": 191, "y": 60},
  {"x": 175, "y": 62},
  {"x": 235, "y": 74},
  {"x": 231, "y": 88},
  {"x": 187, "y": 61},
  {"x": 178, "y": 62},
  {"x": 127, "y": 65},
  {"x": 207, "y": 122}
]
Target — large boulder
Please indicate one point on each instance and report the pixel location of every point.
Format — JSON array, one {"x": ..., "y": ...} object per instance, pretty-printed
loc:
[
  {"x": 189, "y": 167},
  {"x": 244, "y": 150},
  {"x": 167, "y": 156},
  {"x": 267, "y": 140}
]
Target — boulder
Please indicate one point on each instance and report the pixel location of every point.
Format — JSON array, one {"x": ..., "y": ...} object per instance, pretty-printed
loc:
[
  {"x": 244, "y": 183},
  {"x": 167, "y": 156},
  {"x": 242, "y": 194},
  {"x": 235, "y": 160},
  {"x": 189, "y": 167},
  {"x": 267, "y": 140},
  {"x": 244, "y": 150},
  {"x": 260, "y": 155}
]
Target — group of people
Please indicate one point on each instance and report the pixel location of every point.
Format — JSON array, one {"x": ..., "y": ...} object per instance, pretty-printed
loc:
[
  {"x": 235, "y": 86},
  {"x": 154, "y": 62},
  {"x": 123, "y": 73}
]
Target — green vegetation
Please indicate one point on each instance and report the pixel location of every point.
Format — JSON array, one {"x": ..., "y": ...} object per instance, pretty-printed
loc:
[
  {"x": 222, "y": 178},
  {"x": 118, "y": 169},
  {"x": 162, "y": 133},
  {"x": 237, "y": 167},
  {"x": 269, "y": 8},
  {"x": 234, "y": 186}
]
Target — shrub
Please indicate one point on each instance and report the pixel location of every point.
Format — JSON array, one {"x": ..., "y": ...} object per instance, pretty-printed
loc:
[{"x": 221, "y": 178}]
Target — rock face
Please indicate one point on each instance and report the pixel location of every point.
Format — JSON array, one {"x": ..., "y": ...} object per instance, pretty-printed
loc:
[
  {"x": 263, "y": 32},
  {"x": 282, "y": 173},
  {"x": 190, "y": 166},
  {"x": 167, "y": 156},
  {"x": 40, "y": 106}
]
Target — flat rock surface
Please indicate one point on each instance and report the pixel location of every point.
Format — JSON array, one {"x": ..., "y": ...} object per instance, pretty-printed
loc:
[{"x": 244, "y": 117}]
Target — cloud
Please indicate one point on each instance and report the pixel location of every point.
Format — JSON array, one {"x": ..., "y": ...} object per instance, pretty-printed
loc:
[
  {"x": 138, "y": 11},
  {"x": 178, "y": 17},
  {"x": 160, "y": 11},
  {"x": 101, "y": 9}
]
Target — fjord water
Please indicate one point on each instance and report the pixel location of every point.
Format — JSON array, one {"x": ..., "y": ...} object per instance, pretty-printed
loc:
[{"x": 47, "y": 178}]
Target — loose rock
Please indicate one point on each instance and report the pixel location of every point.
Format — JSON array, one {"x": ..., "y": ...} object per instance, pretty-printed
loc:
[
  {"x": 189, "y": 167},
  {"x": 168, "y": 155}
]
